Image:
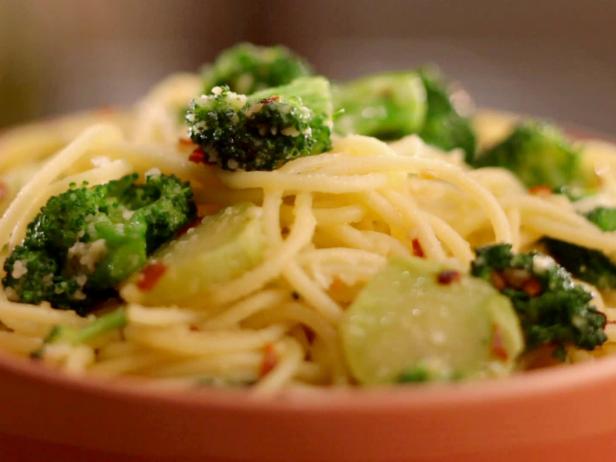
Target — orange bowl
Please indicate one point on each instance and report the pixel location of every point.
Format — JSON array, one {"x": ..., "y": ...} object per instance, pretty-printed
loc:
[
  {"x": 559, "y": 414},
  {"x": 563, "y": 413}
]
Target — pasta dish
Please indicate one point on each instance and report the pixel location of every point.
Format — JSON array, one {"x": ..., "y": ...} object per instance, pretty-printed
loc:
[{"x": 256, "y": 225}]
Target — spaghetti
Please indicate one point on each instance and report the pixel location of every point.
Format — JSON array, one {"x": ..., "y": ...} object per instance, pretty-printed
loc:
[{"x": 331, "y": 221}]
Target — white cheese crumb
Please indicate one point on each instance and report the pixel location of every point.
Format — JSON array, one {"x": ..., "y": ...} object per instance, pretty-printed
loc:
[
  {"x": 290, "y": 131},
  {"x": 152, "y": 172},
  {"x": 19, "y": 269},
  {"x": 99, "y": 161},
  {"x": 542, "y": 263},
  {"x": 127, "y": 214},
  {"x": 11, "y": 294},
  {"x": 81, "y": 280},
  {"x": 253, "y": 109},
  {"x": 79, "y": 295},
  {"x": 88, "y": 254}
]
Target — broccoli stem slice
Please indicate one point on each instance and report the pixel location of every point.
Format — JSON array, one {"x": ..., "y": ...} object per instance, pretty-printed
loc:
[
  {"x": 553, "y": 310},
  {"x": 395, "y": 104},
  {"x": 386, "y": 106},
  {"x": 73, "y": 336}
]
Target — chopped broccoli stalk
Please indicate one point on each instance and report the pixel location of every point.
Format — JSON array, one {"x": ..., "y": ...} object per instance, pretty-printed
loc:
[
  {"x": 417, "y": 320},
  {"x": 553, "y": 310},
  {"x": 603, "y": 217},
  {"x": 540, "y": 156},
  {"x": 85, "y": 241},
  {"x": 587, "y": 264},
  {"x": 266, "y": 129},
  {"x": 76, "y": 336},
  {"x": 106, "y": 323},
  {"x": 246, "y": 68},
  {"x": 386, "y": 106},
  {"x": 445, "y": 127}
]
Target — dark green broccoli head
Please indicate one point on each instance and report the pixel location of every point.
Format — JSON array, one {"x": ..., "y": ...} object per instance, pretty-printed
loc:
[
  {"x": 386, "y": 106},
  {"x": 539, "y": 155},
  {"x": 444, "y": 126},
  {"x": 266, "y": 129},
  {"x": 86, "y": 240},
  {"x": 246, "y": 68},
  {"x": 552, "y": 308},
  {"x": 587, "y": 264}
]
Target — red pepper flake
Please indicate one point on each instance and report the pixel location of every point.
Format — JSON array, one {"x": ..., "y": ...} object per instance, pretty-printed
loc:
[
  {"x": 532, "y": 287},
  {"x": 270, "y": 99},
  {"x": 182, "y": 141},
  {"x": 497, "y": 280},
  {"x": 150, "y": 275},
  {"x": 418, "y": 249},
  {"x": 209, "y": 209},
  {"x": 540, "y": 190},
  {"x": 446, "y": 277},
  {"x": 197, "y": 156},
  {"x": 310, "y": 335},
  {"x": 194, "y": 328},
  {"x": 191, "y": 224},
  {"x": 270, "y": 360},
  {"x": 498, "y": 345}
]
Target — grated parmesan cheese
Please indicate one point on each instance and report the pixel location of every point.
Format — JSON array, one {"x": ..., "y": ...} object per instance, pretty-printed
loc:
[
  {"x": 19, "y": 269},
  {"x": 88, "y": 254}
]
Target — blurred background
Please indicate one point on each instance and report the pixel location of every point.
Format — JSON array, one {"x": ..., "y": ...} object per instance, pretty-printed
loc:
[{"x": 551, "y": 58}]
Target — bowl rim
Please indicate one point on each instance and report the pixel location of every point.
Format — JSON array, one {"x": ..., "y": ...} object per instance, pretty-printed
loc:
[{"x": 547, "y": 381}]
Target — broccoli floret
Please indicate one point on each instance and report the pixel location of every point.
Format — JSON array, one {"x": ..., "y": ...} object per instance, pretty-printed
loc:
[
  {"x": 76, "y": 336},
  {"x": 445, "y": 127},
  {"x": 539, "y": 155},
  {"x": 86, "y": 240},
  {"x": 264, "y": 130},
  {"x": 246, "y": 68},
  {"x": 552, "y": 308},
  {"x": 386, "y": 106},
  {"x": 396, "y": 104},
  {"x": 587, "y": 264}
]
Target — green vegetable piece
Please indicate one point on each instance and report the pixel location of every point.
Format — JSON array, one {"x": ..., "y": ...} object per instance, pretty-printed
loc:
[
  {"x": 539, "y": 155},
  {"x": 603, "y": 217},
  {"x": 444, "y": 126},
  {"x": 221, "y": 248},
  {"x": 553, "y": 309},
  {"x": 416, "y": 321},
  {"x": 76, "y": 336},
  {"x": 266, "y": 129},
  {"x": 587, "y": 264},
  {"x": 246, "y": 68},
  {"x": 417, "y": 374},
  {"x": 386, "y": 106},
  {"x": 85, "y": 241}
]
